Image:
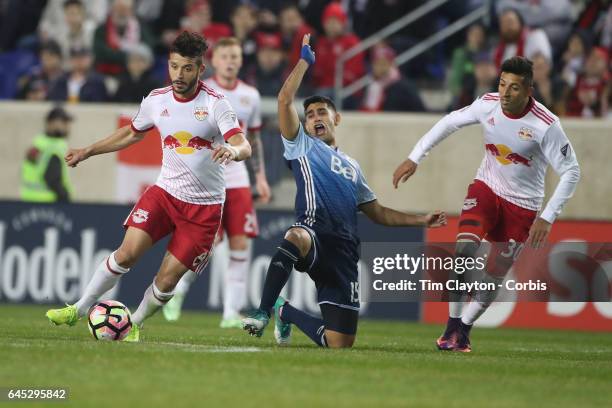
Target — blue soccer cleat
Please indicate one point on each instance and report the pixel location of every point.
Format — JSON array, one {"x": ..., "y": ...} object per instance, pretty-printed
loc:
[
  {"x": 255, "y": 322},
  {"x": 282, "y": 330}
]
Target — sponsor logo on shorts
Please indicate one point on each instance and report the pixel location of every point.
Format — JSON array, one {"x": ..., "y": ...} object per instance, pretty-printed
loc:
[
  {"x": 199, "y": 259},
  {"x": 139, "y": 216},
  {"x": 469, "y": 203},
  {"x": 200, "y": 113}
]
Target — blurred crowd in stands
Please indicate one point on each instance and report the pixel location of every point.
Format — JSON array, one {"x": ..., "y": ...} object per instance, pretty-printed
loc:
[{"x": 116, "y": 50}]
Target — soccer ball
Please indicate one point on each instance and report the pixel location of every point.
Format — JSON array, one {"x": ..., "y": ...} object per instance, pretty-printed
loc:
[{"x": 109, "y": 320}]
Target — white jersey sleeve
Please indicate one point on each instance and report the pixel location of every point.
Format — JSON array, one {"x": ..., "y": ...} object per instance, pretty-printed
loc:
[
  {"x": 226, "y": 118},
  {"x": 561, "y": 156},
  {"x": 143, "y": 120},
  {"x": 444, "y": 128}
]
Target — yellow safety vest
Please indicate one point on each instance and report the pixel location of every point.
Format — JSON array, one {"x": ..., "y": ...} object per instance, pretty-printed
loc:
[{"x": 33, "y": 185}]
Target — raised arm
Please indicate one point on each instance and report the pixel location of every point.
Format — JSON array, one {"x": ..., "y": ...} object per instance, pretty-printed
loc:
[
  {"x": 119, "y": 139},
  {"x": 288, "y": 119},
  {"x": 393, "y": 218}
]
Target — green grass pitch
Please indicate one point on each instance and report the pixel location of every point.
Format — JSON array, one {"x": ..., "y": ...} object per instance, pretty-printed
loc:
[{"x": 193, "y": 363}]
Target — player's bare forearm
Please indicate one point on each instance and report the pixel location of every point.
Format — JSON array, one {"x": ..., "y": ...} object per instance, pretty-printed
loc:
[
  {"x": 241, "y": 146},
  {"x": 393, "y": 218},
  {"x": 119, "y": 139},
  {"x": 288, "y": 120},
  {"x": 292, "y": 83},
  {"x": 256, "y": 161}
]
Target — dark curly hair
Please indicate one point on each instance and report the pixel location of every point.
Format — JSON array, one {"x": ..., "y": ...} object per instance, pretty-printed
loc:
[
  {"x": 520, "y": 66},
  {"x": 318, "y": 98},
  {"x": 190, "y": 45}
]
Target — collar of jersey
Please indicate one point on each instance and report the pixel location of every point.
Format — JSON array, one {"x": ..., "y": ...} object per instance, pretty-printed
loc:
[
  {"x": 523, "y": 113},
  {"x": 185, "y": 100}
]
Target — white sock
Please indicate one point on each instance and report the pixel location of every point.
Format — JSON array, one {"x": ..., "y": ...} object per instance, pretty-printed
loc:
[
  {"x": 105, "y": 277},
  {"x": 455, "y": 309},
  {"x": 482, "y": 300},
  {"x": 152, "y": 301},
  {"x": 185, "y": 283},
  {"x": 234, "y": 293},
  {"x": 474, "y": 310}
]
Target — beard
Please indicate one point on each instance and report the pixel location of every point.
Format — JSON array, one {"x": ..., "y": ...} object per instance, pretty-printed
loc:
[{"x": 187, "y": 88}]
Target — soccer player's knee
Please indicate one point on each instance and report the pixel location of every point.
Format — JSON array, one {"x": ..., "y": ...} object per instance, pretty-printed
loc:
[
  {"x": 166, "y": 283},
  {"x": 338, "y": 340},
  {"x": 466, "y": 249},
  {"x": 125, "y": 257},
  {"x": 300, "y": 238}
]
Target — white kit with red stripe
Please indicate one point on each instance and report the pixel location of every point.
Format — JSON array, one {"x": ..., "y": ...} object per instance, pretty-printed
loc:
[
  {"x": 190, "y": 129},
  {"x": 518, "y": 149},
  {"x": 246, "y": 101}
]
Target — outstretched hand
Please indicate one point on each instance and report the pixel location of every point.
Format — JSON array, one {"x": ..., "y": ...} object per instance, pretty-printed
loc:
[
  {"x": 224, "y": 154},
  {"x": 538, "y": 233},
  {"x": 403, "y": 172},
  {"x": 75, "y": 156},
  {"x": 307, "y": 54},
  {"x": 263, "y": 189},
  {"x": 435, "y": 219}
]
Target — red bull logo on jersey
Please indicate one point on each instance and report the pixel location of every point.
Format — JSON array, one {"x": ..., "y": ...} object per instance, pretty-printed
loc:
[
  {"x": 505, "y": 155},
  {"x": 525, "y": 134},
  {"x": 185, "y": 143},
  {"x": 245, "y": 101},
  {"x": 200, "y": 113}
]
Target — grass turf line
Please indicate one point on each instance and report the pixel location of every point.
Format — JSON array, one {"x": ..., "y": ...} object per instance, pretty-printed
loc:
[{"x": 193, "y": 362}]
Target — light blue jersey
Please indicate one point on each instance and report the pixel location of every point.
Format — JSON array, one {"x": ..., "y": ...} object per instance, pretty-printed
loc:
[{"x": 330, "y": 187}]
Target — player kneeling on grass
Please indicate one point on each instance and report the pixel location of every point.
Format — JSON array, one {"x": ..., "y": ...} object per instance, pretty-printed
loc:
[
  {"x": 522, "y": 138},
  {"x": 323, "y": 242},
  {"x": 200, "y": 135}
]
